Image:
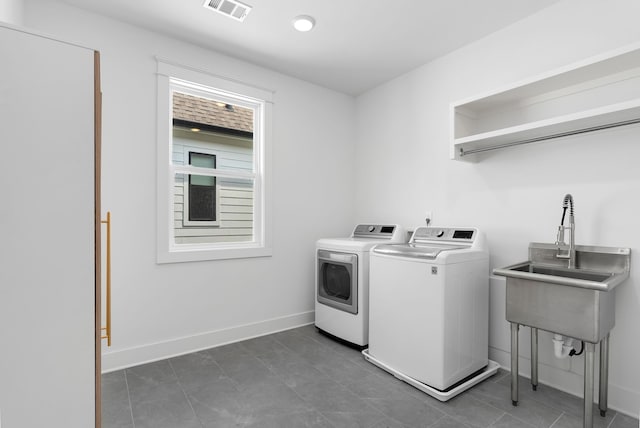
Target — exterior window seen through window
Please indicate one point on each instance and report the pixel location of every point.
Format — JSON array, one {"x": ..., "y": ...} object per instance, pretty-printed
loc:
[{"x": 202, "y": 189}]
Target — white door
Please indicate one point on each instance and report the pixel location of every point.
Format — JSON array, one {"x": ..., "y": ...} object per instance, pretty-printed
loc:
[{"x": 47, "y": 345}]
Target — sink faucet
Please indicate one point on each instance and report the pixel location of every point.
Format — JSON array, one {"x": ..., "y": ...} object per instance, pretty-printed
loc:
[{"x": 564, "y": 252}]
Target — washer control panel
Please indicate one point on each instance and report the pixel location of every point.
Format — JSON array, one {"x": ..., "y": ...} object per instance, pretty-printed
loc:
[{"x": 425, "y": 233}]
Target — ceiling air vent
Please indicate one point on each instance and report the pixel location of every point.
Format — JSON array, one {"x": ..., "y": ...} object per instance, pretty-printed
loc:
[{"x": 231, "y": 8}]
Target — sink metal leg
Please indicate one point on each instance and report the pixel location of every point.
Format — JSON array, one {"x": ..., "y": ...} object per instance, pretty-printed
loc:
[
  {"x": 604, "y": 375},
  {"x": 534, "y": 358},
  {"x": 514, "y": 363},
  {"x": 588, "y": 384}
]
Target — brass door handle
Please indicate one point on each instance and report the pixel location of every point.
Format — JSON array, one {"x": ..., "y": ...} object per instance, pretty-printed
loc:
[{"x": 107, "y": 329}]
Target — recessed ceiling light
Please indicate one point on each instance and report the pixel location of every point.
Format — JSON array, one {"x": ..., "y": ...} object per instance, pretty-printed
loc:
[
  {"x": 195, "y": 129},
  {"x": 303, "y": 23}
]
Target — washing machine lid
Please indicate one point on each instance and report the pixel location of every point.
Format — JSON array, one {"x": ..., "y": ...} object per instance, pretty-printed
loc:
[
  {"x": 416, "y": 250},
  {"x": 429, "y": 242}
]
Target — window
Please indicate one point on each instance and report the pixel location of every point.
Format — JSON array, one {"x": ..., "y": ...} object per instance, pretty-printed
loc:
[
  {"x": 213, "y": 164},
  {"x": 201, "y": 203}
]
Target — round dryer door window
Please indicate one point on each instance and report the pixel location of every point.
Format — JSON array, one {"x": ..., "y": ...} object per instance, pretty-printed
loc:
[{"x": 337, "y": 281}]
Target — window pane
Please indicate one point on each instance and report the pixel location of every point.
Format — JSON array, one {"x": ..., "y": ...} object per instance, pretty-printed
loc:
[
  {"x": 216, "y": 124},
  {"x": 202, "y": 160},
  {"x": 210, "y": 133},
  {"x": 202, "y": 201},
  {"x": 201, "y": 180},
  {"x": 234, "y": 212}
]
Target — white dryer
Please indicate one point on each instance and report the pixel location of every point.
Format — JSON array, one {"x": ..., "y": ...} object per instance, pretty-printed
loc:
[
  {"x": 429, "y": 308},
  {"x": 342, "y": 280}
]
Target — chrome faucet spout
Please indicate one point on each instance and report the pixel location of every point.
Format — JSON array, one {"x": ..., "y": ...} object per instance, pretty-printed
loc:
[
  {"x": 564, "y": 252},
  {"x": 560, "y": 237}
]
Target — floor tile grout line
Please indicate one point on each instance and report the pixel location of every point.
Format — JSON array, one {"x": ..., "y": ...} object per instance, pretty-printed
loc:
[
  {"x": 300, "y": 355},
  {"x": 490, "y": 405},
  {"x": 126, "y": 382},
  {"x": 500, "y": 417},
  {"x": 186, "y": 397},
  {"x": 612, "y": 419},
  {"x": 382, "y": 415},
  {"x": 296, "y": 393},
  {"x": 222, "y": 370},
  {"x": 441, "y": 418},
  {"x": 535, "y": 398},
  {"x": 486, "y": 400},
  {"x": 303, "y": 336},
  {"x": 518, "y": 419},
  {"x": 264, "y": 363},
  {"x": 557, "y": 419},
  {"x": 499, "y": 378},
  {"x": 293, "y": 389},
  {"x": 307, "y": 336},
  {"x": 279, "y": 377},
  {"x": 475, "y": 399}
]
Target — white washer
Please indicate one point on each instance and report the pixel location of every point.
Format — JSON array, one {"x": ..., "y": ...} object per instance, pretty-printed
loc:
[
  {"x": 342, "y": 280},
  {"x": 429, "y": 308}
]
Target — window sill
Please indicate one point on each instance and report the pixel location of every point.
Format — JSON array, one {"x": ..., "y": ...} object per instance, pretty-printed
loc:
[{"x": 191, "y": 254}]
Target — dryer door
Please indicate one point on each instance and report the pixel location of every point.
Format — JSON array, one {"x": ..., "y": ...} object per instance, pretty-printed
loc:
[{"x": 338, "y": 280}]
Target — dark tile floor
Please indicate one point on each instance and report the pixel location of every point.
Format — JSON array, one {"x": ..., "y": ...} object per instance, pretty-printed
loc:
[{"x": 300, "y": 378}]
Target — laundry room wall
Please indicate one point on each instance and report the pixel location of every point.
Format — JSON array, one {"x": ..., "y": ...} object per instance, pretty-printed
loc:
[
  {"x": 11, "y": 11},
  {"x": 160, "y": 310},
  {"x": 514, "y": 195}
]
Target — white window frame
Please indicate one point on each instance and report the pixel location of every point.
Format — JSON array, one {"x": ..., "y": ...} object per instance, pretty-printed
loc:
[
  {"x": 172, "y": 76},
  {"x": 185, "y": 192}
]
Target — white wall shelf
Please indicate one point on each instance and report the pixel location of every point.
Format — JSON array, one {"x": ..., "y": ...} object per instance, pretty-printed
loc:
[{"x": 598, "y": 93}]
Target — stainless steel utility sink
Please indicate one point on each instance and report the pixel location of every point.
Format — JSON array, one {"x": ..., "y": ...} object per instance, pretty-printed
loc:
[
  {"x": 556, "y": 272},
  {"x": 544, "y": 293},
  {"x": 573, "y": 296},
  {"x": 583, "y": 278},
  {"x": 568, "y": 290}
]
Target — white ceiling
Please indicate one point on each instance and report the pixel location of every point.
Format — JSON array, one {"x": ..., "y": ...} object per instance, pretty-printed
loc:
[{"x": 356, "y": 44}]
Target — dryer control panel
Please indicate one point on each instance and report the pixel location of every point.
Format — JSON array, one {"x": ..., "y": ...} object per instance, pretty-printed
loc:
[{"x": 378, "y": 231}]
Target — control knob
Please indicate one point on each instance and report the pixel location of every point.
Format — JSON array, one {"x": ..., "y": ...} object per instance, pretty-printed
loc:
[{"x": 440, "y": 233}]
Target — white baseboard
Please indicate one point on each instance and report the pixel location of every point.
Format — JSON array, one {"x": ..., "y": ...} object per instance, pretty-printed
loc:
[
  {"x": 620, "y": 399},
  {"x": 123, "y": 358}
]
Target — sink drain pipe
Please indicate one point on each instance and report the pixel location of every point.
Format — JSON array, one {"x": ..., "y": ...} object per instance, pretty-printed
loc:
[{"x": 562, "y": 346}]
